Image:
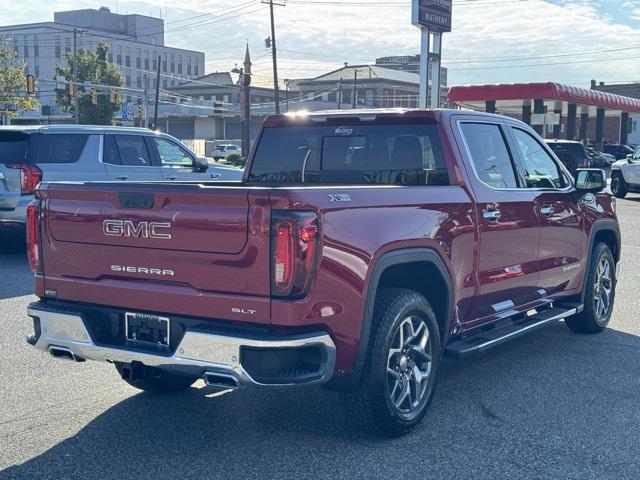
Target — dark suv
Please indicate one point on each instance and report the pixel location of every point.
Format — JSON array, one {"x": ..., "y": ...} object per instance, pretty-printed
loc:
[
  {"x": 617, "y": 150},
  {"x": 572, "y": 154}
]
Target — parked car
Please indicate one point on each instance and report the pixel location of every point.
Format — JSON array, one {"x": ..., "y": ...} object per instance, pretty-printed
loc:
[
  {"x": 572, "y": 154},
  {"x": 599, "y": 159},
  {"x": 617, "y": 150},
  {"x": 221, "y": 152},
  {"x": 288, "y": 278},
  {"x": 29, "y": 155},
  {"x": 625, "y": 175}
]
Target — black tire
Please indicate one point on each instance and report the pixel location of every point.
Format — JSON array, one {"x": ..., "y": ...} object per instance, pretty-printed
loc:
[
  {"x": 372, "y": 405},
  {"x": 594, "y": 318},
  {"x": 155, "y": 380},
  {"x": 618, "y": 186}
]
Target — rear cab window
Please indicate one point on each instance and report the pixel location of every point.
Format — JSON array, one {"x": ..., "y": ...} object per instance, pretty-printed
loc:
[{"x": 383, "y": 154}]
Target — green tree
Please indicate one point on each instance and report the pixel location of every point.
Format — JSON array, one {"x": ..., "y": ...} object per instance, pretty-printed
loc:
[
  {"x": 13, "y": 82},
  {"x": 94, "y": 68}
]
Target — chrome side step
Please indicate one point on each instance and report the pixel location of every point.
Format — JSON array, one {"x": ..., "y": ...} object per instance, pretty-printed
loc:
[{"x": 486, "y": 339}]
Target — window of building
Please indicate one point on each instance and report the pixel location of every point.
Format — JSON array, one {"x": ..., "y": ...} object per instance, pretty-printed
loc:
[
  {"x": 146, "y": 59},
  {"x": 138, "y": 62},
  {"x": 36, "y": 47},
  {"x": 128, "y": 80},
  {"x": 172, "y": 65},
  {"x": 164, "y": 83},
  {"x": 180, "y": 64},
  {"x": 16, "y": 45},
  {"x": 489, "y": 155},
  {"x": 57, "y": 48},
  {"x": 189, "y": 65},
  {"x": 127, "y": 58},
  {"x": 154, "y": 62},
  {"x": 67, "y": 45},
  {"x": 139, "y": 81},
  {"x": 36, "y": 72}
]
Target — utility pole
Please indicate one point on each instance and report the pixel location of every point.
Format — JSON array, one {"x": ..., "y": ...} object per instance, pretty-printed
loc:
[
  {"x": 355, "y": 88},
  {"x": 145, "y": 80},
  {"x": 276, "y": 89},
  {"x": 155, "y": 112},
  {"x": 245, "y": 82},
  {"x": 286, "y": 95},
  {"x": 340, "y": 94},
  {"x": 76, "y": 115}
]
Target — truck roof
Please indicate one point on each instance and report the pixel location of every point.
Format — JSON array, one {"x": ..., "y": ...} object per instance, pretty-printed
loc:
[{"x": 370, "y": 115}]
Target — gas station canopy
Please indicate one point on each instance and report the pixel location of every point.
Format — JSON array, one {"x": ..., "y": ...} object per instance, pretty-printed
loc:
[
  {"x": 550, "y": 91},
  {"x": 565, "y": 101}
]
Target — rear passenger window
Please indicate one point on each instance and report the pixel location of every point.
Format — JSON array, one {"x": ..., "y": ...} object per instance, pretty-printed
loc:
[
  {"x": 55, "y": 148},
  {"x": 110, "y": 151},
  {"x": 541, "y": 171},
  {"x": 133, "y": 150},
  {"x": 489, "y": 154}
]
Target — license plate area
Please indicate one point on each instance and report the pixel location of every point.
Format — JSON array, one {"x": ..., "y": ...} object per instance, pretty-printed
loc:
[{"x": 143, "y": 330}]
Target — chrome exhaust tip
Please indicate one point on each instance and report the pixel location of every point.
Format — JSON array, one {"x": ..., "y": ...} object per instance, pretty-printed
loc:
[
  {"x": 221, "y": 380},
  {"x": 64, "y": 353}
]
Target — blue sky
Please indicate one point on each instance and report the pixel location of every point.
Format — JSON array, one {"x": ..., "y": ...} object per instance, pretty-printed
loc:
[{"x": 493, "y": 41}]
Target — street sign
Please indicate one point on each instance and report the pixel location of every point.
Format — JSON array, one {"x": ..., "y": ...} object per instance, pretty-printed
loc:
[
  {"x": 434, "y": 15},
  {"x": 124, "y": 113},
  {"x": 545, "y": 119}
]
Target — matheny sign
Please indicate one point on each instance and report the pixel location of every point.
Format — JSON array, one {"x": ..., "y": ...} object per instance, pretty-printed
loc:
[{"x": 434, "y": 15}]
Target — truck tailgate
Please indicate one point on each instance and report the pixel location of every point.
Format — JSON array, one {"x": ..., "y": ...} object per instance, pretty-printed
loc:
[{"x": 191, "y": 249}]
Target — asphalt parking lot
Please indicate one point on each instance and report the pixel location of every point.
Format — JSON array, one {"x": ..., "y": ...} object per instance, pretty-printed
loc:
[{"x": 550, "y": 405}]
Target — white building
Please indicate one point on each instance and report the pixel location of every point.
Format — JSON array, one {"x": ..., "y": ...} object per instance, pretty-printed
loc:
[{"x": 135, "y": 43}]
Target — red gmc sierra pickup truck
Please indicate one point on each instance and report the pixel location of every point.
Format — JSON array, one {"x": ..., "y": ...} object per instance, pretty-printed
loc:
[{"x": 360, "y": 247}]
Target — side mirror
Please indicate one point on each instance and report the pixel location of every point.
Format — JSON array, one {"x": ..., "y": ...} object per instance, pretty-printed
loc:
[
  {"x": 201, "y": 164},
  {"x": 592, "y": 180},
  {"x": 630, "y": 158}
]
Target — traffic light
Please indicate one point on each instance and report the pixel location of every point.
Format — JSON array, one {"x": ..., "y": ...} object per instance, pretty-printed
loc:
[
  {"x": 31, "y": 85},
  {"x": 113, "y": 96},
  {"x": 267, "y": 42},
  {"x": 217, "y": 107},
  {"x": 71, "y": 90},
  {"x": 94, "y": 96}
]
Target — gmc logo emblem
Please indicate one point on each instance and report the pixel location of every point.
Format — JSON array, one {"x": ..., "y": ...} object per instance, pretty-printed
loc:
[{"x": 128, "y": 228}]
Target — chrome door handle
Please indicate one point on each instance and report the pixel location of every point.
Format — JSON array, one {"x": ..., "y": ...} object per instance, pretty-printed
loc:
[
  {"x": 493, "y": 215},
  {"x": 547, "y": 211},
  {"x": 216, "y": 175},
  {"x": 122, "y": 177},
  {"x": 171, "y": 178}
]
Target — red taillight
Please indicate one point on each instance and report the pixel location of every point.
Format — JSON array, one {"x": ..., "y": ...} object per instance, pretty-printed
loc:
[
  {"x": 30, "y": 176},
  {"x": 283, "y": 256},
  {"x": 32, "y": 237},
  {"x": 295, "y": 239}
]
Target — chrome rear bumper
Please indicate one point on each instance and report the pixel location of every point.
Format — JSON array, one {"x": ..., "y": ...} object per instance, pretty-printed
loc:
[{"x": 197, "y": 354}]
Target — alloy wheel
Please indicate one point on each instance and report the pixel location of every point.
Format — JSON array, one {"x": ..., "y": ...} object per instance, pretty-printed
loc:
[
  {"x": 409, "y": 364},
  {"x": 602, "y": 289}
]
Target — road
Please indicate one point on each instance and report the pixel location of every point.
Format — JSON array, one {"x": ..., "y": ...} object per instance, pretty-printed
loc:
[{"x": 550, "y": 405}]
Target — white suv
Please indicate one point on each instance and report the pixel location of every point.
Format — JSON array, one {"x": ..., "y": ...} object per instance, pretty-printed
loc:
[
  {"x": 52, "y": 153},
  {"x": 221, "y": 152},
  {"x": 625, "y": 175}
]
